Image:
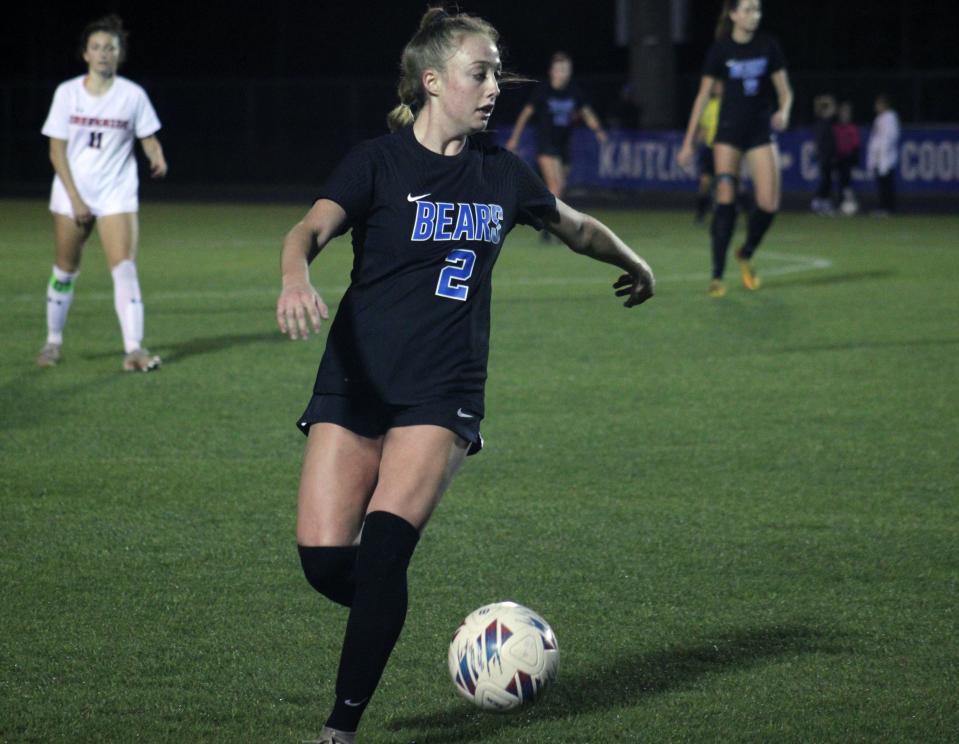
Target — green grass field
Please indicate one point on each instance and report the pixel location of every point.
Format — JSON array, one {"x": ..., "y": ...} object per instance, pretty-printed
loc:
[{"x": 740, "y": 516}]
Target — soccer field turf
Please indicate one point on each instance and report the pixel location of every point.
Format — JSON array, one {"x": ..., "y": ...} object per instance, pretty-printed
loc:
[{"x": 740, "y": 515}]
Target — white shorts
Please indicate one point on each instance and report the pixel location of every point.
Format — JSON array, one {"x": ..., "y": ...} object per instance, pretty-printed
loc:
[{"x": 114, "y": 199}]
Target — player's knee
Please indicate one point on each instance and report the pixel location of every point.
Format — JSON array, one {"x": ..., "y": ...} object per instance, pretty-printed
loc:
[
  {"x": 386, "y": 548},
  {"x": 329, "y": 570},
  {"x": 725, "y": 188}
]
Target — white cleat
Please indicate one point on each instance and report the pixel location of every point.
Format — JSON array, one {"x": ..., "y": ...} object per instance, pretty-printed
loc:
[
  {"x": 332, "y": 736},
  {"x": 49, "y": 355},
  {"x": 140, "y": 360}
]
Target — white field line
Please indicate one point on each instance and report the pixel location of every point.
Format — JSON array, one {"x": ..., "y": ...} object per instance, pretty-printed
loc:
[{"x": 788, "y": 263}]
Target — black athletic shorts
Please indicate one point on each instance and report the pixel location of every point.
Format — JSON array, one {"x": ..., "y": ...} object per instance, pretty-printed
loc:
[
  {"x": 372, "y": 418},
  {"x": 554, "y": 144},
  {"x": 704, "y": 161},
  {"x": 745, "y": 135}
]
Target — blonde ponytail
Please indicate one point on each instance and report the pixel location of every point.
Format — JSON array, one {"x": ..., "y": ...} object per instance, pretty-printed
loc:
[
  {"x": 409, "y": 93},
  {"x": 399, "y": 117}
]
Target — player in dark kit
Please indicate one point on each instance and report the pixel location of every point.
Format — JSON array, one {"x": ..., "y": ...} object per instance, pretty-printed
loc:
[
  {"x": 553, "y": 107},
  {"x": 757, "y": 100},
  {"x": 398, "y": 398}
]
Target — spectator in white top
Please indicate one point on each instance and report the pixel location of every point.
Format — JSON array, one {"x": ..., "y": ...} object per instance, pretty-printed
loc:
[{"x": 883, "y": 154}]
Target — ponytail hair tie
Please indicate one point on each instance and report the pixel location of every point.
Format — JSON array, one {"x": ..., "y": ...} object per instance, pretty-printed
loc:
[{"x": 440, "y": 16}]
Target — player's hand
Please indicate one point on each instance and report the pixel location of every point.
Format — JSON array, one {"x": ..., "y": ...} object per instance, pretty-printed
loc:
[
  {"x": 779, "y": 121},
  {"x": 158, "y": 168},
  {"x": 299, "y": 307},
  {"x": 637, "y": 286},
  {"x": 685, "y": 157},
  {"x": 81, "y": 212}
]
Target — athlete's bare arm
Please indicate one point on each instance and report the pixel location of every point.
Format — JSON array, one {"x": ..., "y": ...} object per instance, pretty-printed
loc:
[
  {"x": 519, "y": 126},
  {"x": 58, "y": 157},
  {"x": 299, "y": 304},
  {"x": 592, "y": 121},
  {"x": 154, "y": 152},
  {"x": 590, "y": 237},
  {"x": 784, "y": 93},
  {"x": 685, "y": 157}
]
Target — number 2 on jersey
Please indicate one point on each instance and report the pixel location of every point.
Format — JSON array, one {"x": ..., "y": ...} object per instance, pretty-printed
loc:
[{"x": 459, "y": 268}]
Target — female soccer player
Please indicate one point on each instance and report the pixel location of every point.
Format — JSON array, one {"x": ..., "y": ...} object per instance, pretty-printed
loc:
[
  {"x": 554, "y": 104},
  {"x": 92, "y": 123},
  {"x": 757, "y": 99},
  {"x": 398, "y": 397}
]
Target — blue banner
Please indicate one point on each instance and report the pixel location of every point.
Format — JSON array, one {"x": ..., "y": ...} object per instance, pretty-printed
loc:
[{"x": 635, "y": 160}]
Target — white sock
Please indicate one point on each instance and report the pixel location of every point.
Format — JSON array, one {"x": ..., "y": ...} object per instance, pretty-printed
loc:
[
  {"x": 59, "y": 299},
  {"x": 128, "y": 304}
]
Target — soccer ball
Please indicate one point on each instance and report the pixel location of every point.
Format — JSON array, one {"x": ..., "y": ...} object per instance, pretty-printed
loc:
[
  {"x": 849, "y": 207},
  {"x": 503, "y": 655}
]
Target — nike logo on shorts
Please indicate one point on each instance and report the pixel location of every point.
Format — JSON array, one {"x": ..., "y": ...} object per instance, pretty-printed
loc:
[
  {"x": 463, "y": 414},
  {"x": 411, "y": 198}
]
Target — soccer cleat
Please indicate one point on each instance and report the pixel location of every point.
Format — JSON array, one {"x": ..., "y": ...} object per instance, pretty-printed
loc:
[
  {"x": 333, "y": 736},
  {"x": 717, "y": 289},
  {"x": 49, "y": 355},
  {"x": 750, "y": 277},
  {"x": 140, "y": 360}
]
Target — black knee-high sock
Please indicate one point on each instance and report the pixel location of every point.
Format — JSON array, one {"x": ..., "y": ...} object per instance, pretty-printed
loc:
[
  {"x": 330, "y": 570},
  {"x": 759, "y": 222},
  {"x": 724, "y": 221},
  {"x": 377, "y": 614}
]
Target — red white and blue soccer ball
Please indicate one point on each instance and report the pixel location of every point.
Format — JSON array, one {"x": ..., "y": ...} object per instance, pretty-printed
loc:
[{"x": 502, "y": 656}]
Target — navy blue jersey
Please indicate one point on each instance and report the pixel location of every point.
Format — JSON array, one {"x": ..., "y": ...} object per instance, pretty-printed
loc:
[
  {"x": 746, "y": 71},
  {"x": 427, "y": 229},
  {"x": 554, "y": 109}
]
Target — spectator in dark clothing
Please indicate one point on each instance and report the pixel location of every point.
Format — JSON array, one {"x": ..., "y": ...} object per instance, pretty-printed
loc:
[
  {"x": 825, "y": 109},
  {"x": 847, "y": 141}
]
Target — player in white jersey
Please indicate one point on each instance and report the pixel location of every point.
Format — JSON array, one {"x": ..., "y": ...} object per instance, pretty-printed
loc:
[{"x": 92, "y": 124}]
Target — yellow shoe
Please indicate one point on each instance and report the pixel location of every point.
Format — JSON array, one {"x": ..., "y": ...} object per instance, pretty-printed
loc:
[
  {"x": 717, "y": 289},
  {"x": 750, "y": 277}
]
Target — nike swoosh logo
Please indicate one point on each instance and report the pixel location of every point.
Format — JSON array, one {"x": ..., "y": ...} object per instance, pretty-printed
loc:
[
  {"x": 463, "y": 414},
  {"x": 356, "y": 704},
  {"x": 411, "y": 198}
]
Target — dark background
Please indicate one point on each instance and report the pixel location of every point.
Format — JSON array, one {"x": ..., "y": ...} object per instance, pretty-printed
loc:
[
  {"x": 293, "y": 38},
  {"x": 273, "y": 91}
]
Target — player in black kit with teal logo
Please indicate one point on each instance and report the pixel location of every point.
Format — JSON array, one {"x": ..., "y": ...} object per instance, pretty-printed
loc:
[
  {"x": 399, "y": 395},
  {"x": 756, "y": 101},
  {"x": 553, "y": 108}
]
